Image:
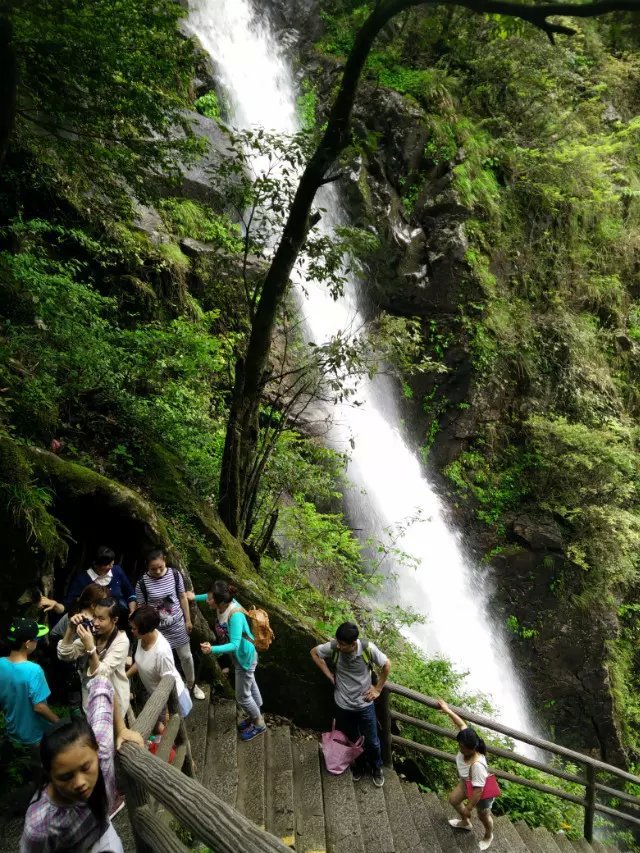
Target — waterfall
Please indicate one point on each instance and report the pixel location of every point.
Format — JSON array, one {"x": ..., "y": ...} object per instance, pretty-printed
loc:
[{"x": 388, "y": 483}]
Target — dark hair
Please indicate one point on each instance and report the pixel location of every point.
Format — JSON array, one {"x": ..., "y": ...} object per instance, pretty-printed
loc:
[
  {"x": 347, "y": 632},
  {"x": 469, "y": 737},
  {"x": 222, "y": 592},
  {"x": 146, "y": 618},
  {"x": 61, "y": 736},
  {"x": 104, "y": 556},
  {"x": 154, "y": 554},
  {"x": 115, "y": 612},
  {"x": 90, "y": 595}
]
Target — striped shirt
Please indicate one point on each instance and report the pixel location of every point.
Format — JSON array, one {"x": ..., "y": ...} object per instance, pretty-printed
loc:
[
  {"x": 51, "y": 828},
  {"x": 163, "y": 593}
]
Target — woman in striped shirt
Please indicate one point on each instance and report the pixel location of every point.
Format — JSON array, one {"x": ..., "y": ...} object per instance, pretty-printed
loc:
[
  {"x": 71, "y": 813},
  {"x": 163, "y": 588}
]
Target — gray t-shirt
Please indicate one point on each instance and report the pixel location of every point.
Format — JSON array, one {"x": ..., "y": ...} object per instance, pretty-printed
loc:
[{"x": 353, "y": 676}]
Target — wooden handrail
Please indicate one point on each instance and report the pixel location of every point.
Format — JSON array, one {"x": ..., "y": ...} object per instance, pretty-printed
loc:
[
  {"x": 591, "y": 765},
  {"x": 210, "y": 819}
]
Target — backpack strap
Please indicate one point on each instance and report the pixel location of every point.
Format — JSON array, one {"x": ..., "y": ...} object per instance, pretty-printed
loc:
[
  {"x": 366, "y": 654},
  {"x": 143, "y": 590},
  {"x": 244, "y": 634},
  {"x": 175, "y": 581}
]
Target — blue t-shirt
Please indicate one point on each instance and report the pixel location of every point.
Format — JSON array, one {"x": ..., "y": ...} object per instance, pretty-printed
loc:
[{"x": 23, "y": 685}]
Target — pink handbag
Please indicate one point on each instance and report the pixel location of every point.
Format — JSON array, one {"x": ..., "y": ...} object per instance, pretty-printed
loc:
[
  {"x": 338, "y": 750},
  {"x": 491, "y": 788}
]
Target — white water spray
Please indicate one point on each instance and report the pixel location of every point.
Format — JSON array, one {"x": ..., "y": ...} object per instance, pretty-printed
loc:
[{"x": 389, "y": 485}]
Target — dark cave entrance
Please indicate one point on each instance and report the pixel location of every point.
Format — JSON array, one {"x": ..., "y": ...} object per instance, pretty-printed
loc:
[{"x": 93, "y": 521}]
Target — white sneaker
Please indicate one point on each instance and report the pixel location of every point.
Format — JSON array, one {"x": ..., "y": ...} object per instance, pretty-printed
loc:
[
  {"x": 198, "y": 693},
  {"x": 485, "y": 844},
  {"x": 456, "y": 823}
]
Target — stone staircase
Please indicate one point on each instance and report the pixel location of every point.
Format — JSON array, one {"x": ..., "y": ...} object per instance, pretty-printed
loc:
[{"x": 279, "y": 782}]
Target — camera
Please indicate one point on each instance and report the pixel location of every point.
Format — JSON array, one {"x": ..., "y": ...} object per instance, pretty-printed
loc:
[{"x": 87, "y": 623}]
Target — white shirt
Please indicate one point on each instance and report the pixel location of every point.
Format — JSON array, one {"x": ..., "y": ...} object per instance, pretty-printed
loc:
[
  {"x": 476, "y": 772},
  {"x": 101, "y": 580},
  {"x": 156, "y": 662}
]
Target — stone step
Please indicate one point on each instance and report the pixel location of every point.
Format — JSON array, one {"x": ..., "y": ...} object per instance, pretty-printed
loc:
[
  {"x": 563, "y": 843},
  {"x": 374, "y": 821},
  {"x": 220, "y": 773},
  {"x": 403, "y": 830},
  {"x": 507, "y": 839},
  {"x": 583, "y": 845},
  {"x": 598, "y": 846},
  {"x": 307, "y": 797},
  {"x": 279, "y": 784},
  {"x": 421, "y": 818},
  {"x": 546, "y": 839},
  {"x": 446, "y": 837},
  {"x": 531, "y": 840},
  {"x": 341, "y": 815},
  {"x": 250, "y": 799},
  {"x": 196, "y": 724}
]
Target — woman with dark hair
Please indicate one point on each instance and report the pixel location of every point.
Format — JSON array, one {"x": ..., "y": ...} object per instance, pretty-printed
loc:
[
  {"x": 234, "y": 636},
  {"x": 100, "y": 648},
  {"x": 105, "y": 572},
  {"x": 471, "y": 763},
  {"x": 163, "y": 588},
  {"x": 153, "y": 656},
  {"x": 71, "y": 812}
]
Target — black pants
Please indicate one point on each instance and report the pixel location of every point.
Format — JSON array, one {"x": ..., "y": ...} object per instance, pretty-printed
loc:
[{"x": 363, "y": 722}]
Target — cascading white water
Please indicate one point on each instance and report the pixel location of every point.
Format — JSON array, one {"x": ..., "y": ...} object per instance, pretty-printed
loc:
[{"x": 388, "y": 483}]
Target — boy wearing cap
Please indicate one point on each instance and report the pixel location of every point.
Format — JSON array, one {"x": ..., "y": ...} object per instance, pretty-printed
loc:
[{"x": 23, "y": 687}]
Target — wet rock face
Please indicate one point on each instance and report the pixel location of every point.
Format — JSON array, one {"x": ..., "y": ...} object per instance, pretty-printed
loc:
[{"x": 563, "y": 664}]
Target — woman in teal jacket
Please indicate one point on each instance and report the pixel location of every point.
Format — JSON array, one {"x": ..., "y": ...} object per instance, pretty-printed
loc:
[{"x": 234, "y": 636}]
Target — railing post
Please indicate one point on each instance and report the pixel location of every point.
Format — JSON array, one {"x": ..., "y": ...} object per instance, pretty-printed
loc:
[
  {"x": 384, "y": 715},
  {"x": 590, "y": 808}
]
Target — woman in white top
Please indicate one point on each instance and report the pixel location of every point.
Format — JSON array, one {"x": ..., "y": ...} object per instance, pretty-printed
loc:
[
  {"x": 100, "y": 649},
  {"x": 154, "y": 657},
  {"x": 471, "y": 763}
]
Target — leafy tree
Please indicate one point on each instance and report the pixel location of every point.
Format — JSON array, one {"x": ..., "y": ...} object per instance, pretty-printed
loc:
[
  {"x": 96, "y": 89},
  {"x": 251, "y": 372}
]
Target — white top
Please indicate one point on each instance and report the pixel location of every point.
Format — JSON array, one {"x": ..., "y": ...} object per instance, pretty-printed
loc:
[
  {"x": 101, "y": 580},
  {"x": 112, "y": 666},
  {"x": 476, "y": 772},
  {"x": 155, "y": 663}
]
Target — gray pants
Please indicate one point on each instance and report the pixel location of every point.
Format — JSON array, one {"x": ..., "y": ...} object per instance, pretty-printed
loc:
[
  {"x": 247, "y": 694},
  {"x": 186, "y": 662}
]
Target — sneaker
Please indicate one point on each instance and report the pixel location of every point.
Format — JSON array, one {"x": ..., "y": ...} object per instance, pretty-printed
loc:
[
  {"x": 252, "y": 731},
  {"x": 243, "y": 725},
  {"x": 357, "y": 773},
  {"x": 457, "y": 823},
  {"x": 485, "y": 844},
  {"x": 378, "y": 777},
  {"x": 198, "y": 693}
]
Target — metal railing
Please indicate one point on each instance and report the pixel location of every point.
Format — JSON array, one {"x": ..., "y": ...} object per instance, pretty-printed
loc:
[
  {"x": 591, "y": 765},
  {"x": 150, "y": 782}
]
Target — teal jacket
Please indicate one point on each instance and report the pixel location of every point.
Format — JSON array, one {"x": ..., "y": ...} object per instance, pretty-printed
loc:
[{"x": 239, "y": 646}]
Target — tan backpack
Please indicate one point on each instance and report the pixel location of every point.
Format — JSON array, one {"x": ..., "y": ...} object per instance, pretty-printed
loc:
[{"x": 263, "y": 636}]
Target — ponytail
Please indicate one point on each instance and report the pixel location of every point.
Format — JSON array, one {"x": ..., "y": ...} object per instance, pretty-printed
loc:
[{"x": 469, "y": 737}]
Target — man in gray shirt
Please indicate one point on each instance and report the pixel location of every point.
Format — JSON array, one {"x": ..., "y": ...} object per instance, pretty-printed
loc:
[{"x": 354, "y": 692}]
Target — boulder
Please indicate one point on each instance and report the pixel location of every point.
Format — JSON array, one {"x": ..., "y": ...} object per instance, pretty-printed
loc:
[{"x": 540, "y": 534}]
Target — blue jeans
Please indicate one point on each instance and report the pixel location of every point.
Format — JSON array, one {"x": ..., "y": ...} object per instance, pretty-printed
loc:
[{"x": 362, "y": 722}]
